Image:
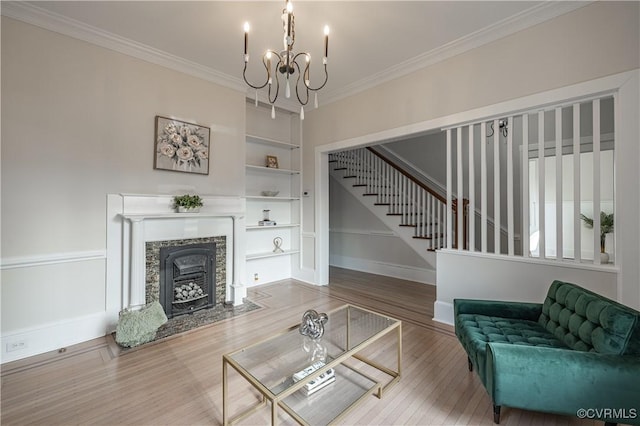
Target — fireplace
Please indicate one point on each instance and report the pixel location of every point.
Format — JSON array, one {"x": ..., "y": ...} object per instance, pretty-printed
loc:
[
  {"x": 187, "y": 278},
  {"x": 138, "y": 225},
  {"x": 179, "y": 273}
]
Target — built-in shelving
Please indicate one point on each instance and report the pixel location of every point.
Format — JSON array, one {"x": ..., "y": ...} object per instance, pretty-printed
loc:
[
  {"x": 279, "y": 138},
  {"x": 266, "y": 255},
  {"x": 284, "y": 225},
  {"x": 266, "y": 198},
  {"x": 273, "y": 170},
  {"x": 271, "y": 142}
]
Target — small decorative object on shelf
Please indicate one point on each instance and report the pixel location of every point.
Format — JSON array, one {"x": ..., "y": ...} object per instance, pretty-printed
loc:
[
  {"x": 320, "y": 382},
  {"x": 316, "y": 349},
  {"x": 313, "y": 324},
  {"x": 265, "y": 219},
  {"x": 270, "y": 193},
  {"x": 277, "y": 243},
  {"x": 187, "y": 203},
  {"x": 272, "y": 162}
]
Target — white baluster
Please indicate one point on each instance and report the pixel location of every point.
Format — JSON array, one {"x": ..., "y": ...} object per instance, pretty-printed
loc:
[
  {"x": 472, "y": 195},
  {"x": 496, "y": 187},
  {"x": 596, "y": 181},
  {"x": 541, "y": 181},
  {"x": 510, "y": 193},
  {"x": 559, "y": 254},
  {"x": 577, "y": 240},
  {"x": 483, "y": 188},
  {"x": 525, "y": 186}
]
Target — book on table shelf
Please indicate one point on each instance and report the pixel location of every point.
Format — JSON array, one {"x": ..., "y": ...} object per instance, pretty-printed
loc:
[
  {"x": 320, "y": 382},
  {"x": 267, "y": 223}
]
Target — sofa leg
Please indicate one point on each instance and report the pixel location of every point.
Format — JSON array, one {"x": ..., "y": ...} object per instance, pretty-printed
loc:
[
  {"x": 470, "y": 364},
  {"x": 496, "y": 414},
  {"x": 610, "y": 424}
]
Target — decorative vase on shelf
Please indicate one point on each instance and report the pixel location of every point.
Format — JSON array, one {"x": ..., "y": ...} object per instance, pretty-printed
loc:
[{"x": 604, "y": 257}]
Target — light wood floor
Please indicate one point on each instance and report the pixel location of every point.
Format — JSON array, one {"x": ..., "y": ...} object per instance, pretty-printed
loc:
[{"x": 177, "y": 381}]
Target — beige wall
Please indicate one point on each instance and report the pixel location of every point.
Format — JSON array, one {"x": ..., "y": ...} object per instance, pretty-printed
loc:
[
  {"x": 598, "y": 40},
  {"x": 591, "y": 42},
  {"x": 594, "y": 41},
  {"x": 77, "y": 124}
]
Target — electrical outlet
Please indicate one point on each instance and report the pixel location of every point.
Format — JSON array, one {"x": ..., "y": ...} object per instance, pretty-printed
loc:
[
  {"x": 255, "y": 277},
  {"x": 16, "y": 345}
]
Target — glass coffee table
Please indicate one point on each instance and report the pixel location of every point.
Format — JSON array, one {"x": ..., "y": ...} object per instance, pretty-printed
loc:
[{"x": 270, "y": 366}]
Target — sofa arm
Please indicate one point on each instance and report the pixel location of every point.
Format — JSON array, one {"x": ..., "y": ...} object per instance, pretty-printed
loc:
[
  {"x": 564, "y": 381},
  {"x": 494, "y": 308}
]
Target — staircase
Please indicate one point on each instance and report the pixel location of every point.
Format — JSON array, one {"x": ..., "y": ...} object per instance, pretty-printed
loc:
[{"x": 416, "y": 212}]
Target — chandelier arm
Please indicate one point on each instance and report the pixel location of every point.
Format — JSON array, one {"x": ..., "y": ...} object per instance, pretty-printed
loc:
[
  {"x": 326, "y": 74},
  {"x": 244, "y": 74},
  {"x": 306, "y": 101},
  {"x": 275, "y": 97},
  {"x": 326, "y": 78}
]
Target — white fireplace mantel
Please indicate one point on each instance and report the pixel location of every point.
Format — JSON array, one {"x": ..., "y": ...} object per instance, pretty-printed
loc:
[{"x": 135, "y": 219}]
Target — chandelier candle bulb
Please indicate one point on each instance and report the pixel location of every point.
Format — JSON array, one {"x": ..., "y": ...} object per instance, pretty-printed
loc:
[
  {"x": 301, "y": 113},
  {"x": 246, "y": 40},
  {"x": 326, "y": 41},
  {"x": 289, "y": 10}
]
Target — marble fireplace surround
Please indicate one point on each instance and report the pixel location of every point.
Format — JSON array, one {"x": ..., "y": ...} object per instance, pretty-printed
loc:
[{"x": 134, "y": 219}]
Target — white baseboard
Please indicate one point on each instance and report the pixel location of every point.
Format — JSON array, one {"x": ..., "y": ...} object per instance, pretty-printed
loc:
[
  {"x": 443, "y": 312},
  {"x": 49, "y": 337},
  {"x": 305, "y": 275},
  {"x": 404, "y": 272}
]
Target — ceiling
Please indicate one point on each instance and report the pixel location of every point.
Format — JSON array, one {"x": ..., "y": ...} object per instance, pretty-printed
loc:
[{"x": 369, "y": 41}]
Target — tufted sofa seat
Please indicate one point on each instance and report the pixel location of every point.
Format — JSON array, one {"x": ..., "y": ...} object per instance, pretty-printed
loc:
[{"x": 577, "y": 350}]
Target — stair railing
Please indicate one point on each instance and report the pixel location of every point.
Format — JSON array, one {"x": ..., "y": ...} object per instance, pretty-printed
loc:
[{"x": 418, "y": 206}]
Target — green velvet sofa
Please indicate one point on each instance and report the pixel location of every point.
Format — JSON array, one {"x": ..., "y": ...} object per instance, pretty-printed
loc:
[{"x": 576, "y": 354}]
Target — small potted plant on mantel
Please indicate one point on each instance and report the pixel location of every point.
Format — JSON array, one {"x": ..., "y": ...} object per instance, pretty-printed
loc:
[
  {"x": 606, "y": 227},
  {"x": 187, "y": 203}
]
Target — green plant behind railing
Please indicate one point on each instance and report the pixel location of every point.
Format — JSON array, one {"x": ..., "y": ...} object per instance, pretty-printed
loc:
[{"x": 606, "y": 226}]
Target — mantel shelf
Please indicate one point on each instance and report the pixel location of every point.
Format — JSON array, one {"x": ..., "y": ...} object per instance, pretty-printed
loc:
[{"x": 201, "y": 215}]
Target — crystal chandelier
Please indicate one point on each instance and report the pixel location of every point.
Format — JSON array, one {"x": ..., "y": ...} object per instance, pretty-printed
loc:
[{"x": 286, "y": 63}]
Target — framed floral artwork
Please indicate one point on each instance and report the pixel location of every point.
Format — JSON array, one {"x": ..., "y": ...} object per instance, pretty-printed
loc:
[{"x": 181, "y": 146}]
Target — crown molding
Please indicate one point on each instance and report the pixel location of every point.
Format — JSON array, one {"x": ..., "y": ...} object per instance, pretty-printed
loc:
[
  {"x": 43, "y": 18},
  {"x": 55, "y": 22},
  {"x": 525, "y": 19}
]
